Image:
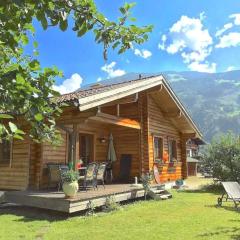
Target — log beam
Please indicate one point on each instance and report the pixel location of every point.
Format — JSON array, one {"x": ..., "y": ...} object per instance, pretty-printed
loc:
[{"x": 110, "y": 119}]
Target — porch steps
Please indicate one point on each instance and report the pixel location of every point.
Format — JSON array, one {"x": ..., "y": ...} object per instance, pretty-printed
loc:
[{"x": 159, "y": 194}]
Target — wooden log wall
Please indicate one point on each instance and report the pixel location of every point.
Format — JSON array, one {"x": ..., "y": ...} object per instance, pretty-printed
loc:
[
  {"x": 184, "y": 139},
  {"x": 52, "y": 154},
  {"x": 35, "y": 165},
  {"x": 16, "y": 175},
  {"x": 144, "y": 134},
  {"x": 161, "y": 126},
  {"x": 126, "y": 140}
]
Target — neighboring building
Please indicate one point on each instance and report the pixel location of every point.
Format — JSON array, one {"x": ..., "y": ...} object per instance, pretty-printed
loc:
[
  {"x": 193, "y": 155},
  {"x": 145, "y": 117}
]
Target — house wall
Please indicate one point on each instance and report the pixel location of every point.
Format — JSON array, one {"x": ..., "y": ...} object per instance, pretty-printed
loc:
[
  {"x": 40, "y": 155},
  {"x": 126, "y": 140},
  {"x": 15, "y": 176},
  {"x": 30, "y": 159},
  {"x": 192, "y": 168},
  {"x": 161, "y": 126}
]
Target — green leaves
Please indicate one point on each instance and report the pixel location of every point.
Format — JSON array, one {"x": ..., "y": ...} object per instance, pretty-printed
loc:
[
  {"x": 12, "y": 127},
  {"x": 39, "y": 117},
  {"x": 5, "y": 116},
  {"x": 34, "y": 65},
  {"x": 63, "y": 25},
  {"x": 25, "y": 87}
]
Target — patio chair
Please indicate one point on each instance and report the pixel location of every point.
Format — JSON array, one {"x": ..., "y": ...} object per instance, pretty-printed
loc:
[
  {"x": 90, "y": 176},
  {"x": 232, "y": 193},
  {"x": 101, "y": 173},
  {"x": 54, "y": 175}
]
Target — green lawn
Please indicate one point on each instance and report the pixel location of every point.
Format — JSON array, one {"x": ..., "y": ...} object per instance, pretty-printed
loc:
[{"x": 189, "y": 215}]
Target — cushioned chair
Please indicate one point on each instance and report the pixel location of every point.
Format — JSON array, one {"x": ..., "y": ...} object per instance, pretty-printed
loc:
[
  {"x": 90, "y": 177},
  {"x": 101, "y": 173},
  {"x": 232, "y": 193}
]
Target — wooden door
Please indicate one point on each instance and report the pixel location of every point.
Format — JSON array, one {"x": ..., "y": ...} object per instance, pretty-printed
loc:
[
  {"x": 125, "y": 167},
  {"x": 86, "y": 148}
]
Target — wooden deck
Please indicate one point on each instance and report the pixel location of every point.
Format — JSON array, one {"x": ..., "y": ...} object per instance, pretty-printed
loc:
[{"x": 57, "y": 201}]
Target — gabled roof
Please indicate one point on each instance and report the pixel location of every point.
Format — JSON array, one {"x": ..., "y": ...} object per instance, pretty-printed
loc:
[
  {"x": 99, "y": 94},
  {"x": 94, "y": 89}
]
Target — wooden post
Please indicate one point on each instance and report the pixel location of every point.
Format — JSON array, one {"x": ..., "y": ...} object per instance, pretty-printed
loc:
[
  {"x": 75, "y": 154},
  {"x": 118, "y": 110},
  {"x": 184, "y": 139}
]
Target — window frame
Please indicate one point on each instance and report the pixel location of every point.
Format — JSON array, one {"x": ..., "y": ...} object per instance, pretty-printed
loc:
[
  {"x": 170, "y": 154},
  {"x": 8, "y": 164},
  {"x": 162, "y": 152}
]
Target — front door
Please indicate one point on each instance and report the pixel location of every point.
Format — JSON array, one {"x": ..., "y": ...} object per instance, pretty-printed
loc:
[{"x": 86, "y": 148}]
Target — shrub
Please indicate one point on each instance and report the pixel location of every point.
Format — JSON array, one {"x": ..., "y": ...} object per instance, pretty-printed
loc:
[
  {"x": 111, "y": 204},
  {"x": 146, "y": 182},
  {"x": 222, "y": 157},
  {"x": 70, "y": 176}
]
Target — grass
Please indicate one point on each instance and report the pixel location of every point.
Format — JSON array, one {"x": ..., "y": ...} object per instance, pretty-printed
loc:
[{"x": 189, "y": 215}]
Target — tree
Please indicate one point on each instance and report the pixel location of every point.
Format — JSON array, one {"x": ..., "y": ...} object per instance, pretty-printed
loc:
[
  {"x": 24, "y": 86},
  {"x": 222, "y": 156}
]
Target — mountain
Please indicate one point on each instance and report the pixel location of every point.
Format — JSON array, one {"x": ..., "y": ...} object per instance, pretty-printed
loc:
[{"x": 212, "y": 99}]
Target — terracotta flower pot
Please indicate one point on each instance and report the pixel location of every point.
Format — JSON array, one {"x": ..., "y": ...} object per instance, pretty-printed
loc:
[{"x": 70, "y": 189}]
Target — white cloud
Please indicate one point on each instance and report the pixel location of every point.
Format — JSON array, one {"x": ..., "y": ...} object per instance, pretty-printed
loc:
[
  {"x": 99, "y": 79},
  {"x": 224, "y": 29},
  {"x": 230, "y": 68},
  {"x": 231, "y": 39},
  {"x": 203, "y": 67},
  {"x": 69, "y": 85},
  {"x": 109, "y": 69},
  {"x": 236, "y": 18},
  {"x": 142, "y": 53},
  {"x": 192, "y": 40},
  {"x": 162, "y": 45}
]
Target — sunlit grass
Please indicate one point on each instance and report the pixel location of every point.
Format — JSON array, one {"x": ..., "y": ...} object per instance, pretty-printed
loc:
[{"x": 189, "y": 215}]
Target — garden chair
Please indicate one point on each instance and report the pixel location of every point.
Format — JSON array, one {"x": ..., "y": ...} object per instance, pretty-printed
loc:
[
  {"x": 101, "y": 173},
  {"x": 90, "y": 176},
  {"x": 232, "y": 193},
  {"x": 53, "y": 175}
]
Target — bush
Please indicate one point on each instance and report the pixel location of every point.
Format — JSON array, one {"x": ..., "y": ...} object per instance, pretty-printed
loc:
[
  {"x": 222, "y": 157},
  {"x": 70, "y": 176},
  {"x": 111, "y": 204}
]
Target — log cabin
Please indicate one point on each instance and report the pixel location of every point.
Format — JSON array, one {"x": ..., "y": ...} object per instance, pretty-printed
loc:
[{"x": 148, "y": 123}]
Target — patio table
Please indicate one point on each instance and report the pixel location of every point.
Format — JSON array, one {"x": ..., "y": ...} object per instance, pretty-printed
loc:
[{"x": 82, "y": 171}]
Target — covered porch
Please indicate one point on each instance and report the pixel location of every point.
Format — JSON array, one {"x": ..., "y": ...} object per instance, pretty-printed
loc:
[{"x": 86, "y": 136}]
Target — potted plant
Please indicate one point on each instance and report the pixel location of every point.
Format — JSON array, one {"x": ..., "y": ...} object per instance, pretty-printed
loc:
[{"x": 70, "y": 183}]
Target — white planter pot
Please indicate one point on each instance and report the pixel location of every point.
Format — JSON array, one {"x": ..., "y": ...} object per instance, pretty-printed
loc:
[{"x": 70, "y": 189}]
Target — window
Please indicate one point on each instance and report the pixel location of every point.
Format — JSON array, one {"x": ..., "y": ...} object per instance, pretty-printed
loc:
[
  {"x": 5, "y": 152},
  {"x": 158, "y": 148},
  {"x": 189, "y": 152},
  {"x": 172, "y": 150}
]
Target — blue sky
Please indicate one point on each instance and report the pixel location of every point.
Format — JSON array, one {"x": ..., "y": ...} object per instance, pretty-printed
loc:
[{"x": 188, "y": 35}]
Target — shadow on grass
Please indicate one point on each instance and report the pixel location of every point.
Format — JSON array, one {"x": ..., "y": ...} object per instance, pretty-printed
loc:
[
  {"x": 233, "y": 232},
  {"x": 30, "y": 214},
  {"x": 228, "y": 208}
]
